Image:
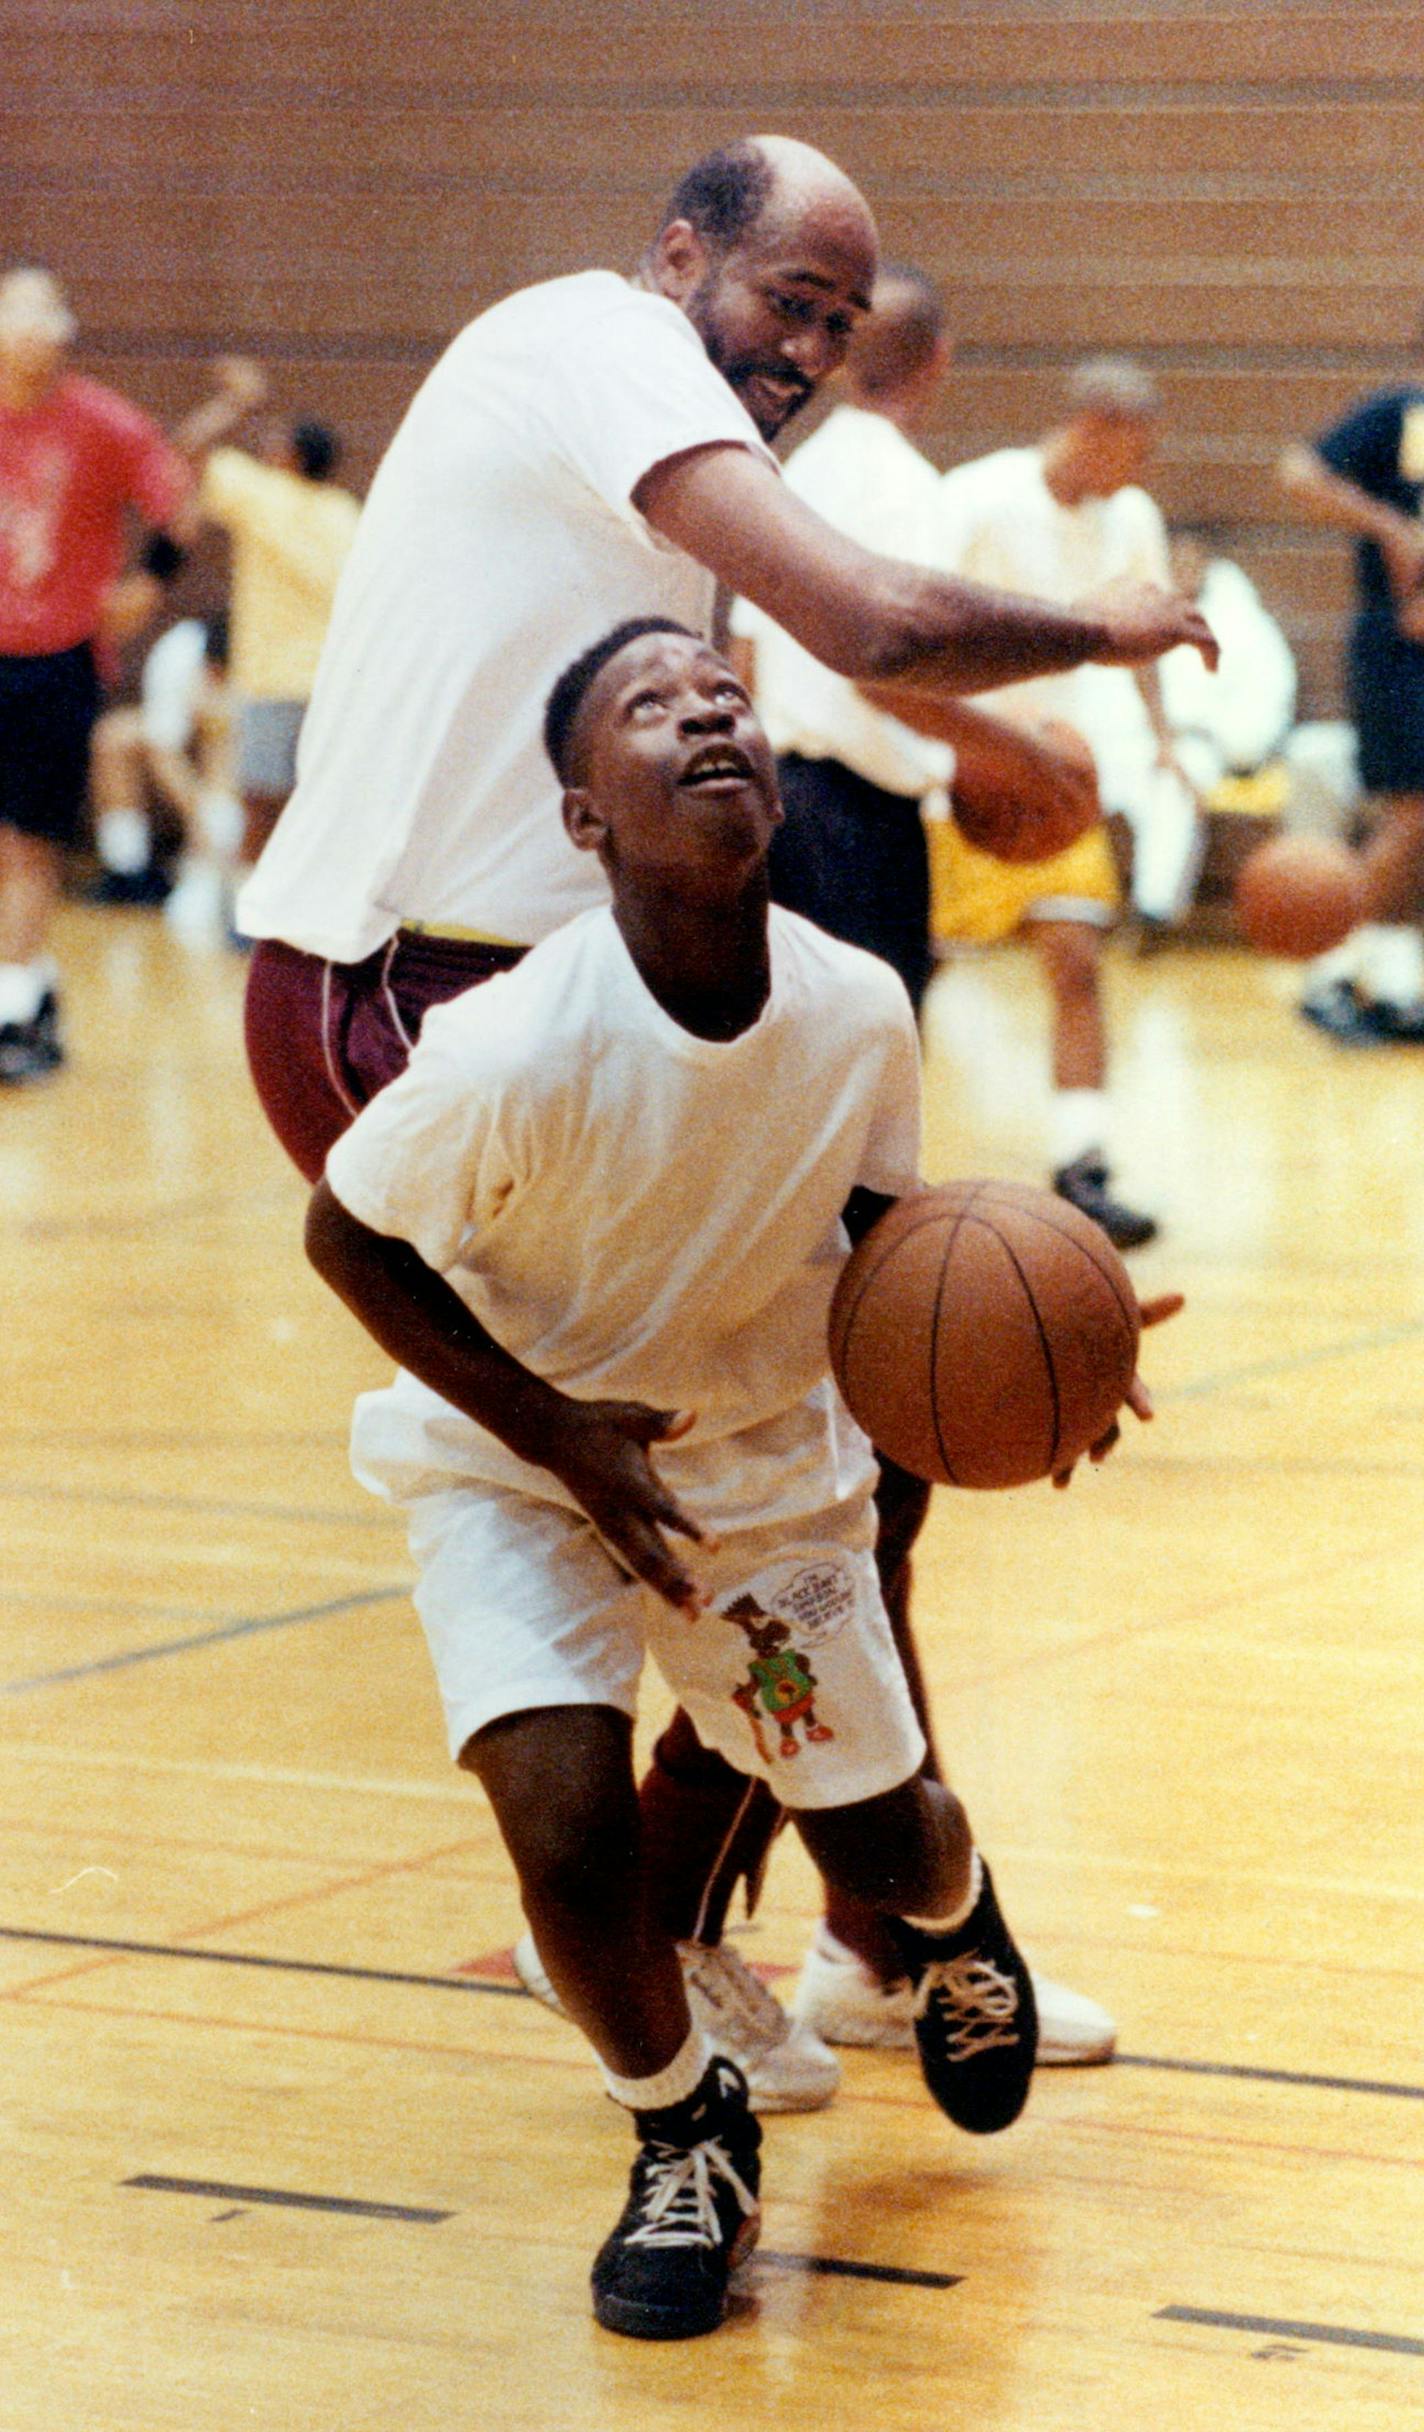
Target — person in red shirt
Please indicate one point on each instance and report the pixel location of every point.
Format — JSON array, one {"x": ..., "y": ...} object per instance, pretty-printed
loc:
[{"x": 74, "y": 456}]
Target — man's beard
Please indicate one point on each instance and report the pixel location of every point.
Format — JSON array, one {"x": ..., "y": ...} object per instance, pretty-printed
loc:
[{"x": 740, "y": 370}]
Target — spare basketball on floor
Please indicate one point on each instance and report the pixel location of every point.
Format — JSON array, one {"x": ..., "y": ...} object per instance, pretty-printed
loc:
[
  {"x": 984, "y": 1334},
  {"x": 1299, "y": 896}
]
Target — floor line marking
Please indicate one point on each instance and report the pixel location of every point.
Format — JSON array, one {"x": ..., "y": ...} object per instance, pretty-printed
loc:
[
  {"x": 1329, "y": 2334},
  {"x": 202, "y": 1638},
  {"x": 835, "y": 2266},
  {"x": 473, "y": 1984},
  {"x": 360, "y": 2207},
  {"x": 260, "y": 1959},
  {"x": 1378, "y": 1338},
  {"x": 1274, "y": 2077},
  {"x": 231, "y": 1507}
]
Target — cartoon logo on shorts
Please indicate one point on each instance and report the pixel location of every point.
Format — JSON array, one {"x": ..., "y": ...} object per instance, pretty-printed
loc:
[{"x": 780, "y": 1686}]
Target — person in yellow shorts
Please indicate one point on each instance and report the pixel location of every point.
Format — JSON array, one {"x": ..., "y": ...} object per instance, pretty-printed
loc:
[{"x": 1065, "y": 908}]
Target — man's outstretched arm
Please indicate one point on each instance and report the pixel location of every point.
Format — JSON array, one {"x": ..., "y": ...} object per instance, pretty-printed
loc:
[{"x": 878, "y": 618}]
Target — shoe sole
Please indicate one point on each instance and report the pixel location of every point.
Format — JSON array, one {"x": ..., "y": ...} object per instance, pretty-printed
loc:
[{"x": 634, "y": 2321}]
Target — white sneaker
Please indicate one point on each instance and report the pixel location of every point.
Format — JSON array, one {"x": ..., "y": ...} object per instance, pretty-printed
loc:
[
  {"x": 786, "y": 2065},
  {"x": 197, "y": 908},
  {"x": 838, "y": 1998}
]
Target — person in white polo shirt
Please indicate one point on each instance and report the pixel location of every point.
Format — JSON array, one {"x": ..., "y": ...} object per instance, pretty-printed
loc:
[
  {"x": 851, "y": 853},
  {"x": 587, "y": 450}
]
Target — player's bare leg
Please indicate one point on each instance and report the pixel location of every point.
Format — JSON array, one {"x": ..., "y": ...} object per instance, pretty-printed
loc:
[
  {"x": 1070, "y": 953},
  {"x": 560, "y": 1780}
]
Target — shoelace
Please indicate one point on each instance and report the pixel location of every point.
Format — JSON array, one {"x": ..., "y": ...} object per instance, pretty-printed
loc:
[
  {"x": 978, "y": 2003},
  {"x": 738, "y": 1998},
  {"x": 679, "y": 2206}
]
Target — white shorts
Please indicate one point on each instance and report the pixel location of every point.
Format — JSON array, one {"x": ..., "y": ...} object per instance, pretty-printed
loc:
[{"x": 792, "y": 1674}]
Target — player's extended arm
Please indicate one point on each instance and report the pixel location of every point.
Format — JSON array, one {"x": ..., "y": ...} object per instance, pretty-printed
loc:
[
  {"x": 877, "y": 617},
  {"x": 599, "y": 1450},
  {"x": 1329, "y": 498},
  {"x": 239, "y": 388}
]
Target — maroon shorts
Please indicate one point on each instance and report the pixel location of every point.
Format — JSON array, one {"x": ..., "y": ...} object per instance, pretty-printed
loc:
[{"x": 323, "y": 1038}]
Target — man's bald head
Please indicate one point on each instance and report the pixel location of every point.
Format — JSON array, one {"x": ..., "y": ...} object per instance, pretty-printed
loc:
[
  {"x": 730, "y": 194},
  {"x": 770, "y": 251}
]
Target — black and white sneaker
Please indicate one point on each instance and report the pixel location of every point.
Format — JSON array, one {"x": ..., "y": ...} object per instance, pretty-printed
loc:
[
  {"x": 30, "y": 1050},
  {"x": 1086, "y": 1185},
  {"x": 691, "y": 2216},
  {"x": 976, "y": 2021}
]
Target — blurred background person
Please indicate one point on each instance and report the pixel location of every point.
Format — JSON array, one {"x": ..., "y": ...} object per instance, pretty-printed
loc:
[
  {"x": 1235, "y": 722},
  {"x": 1061, "y": 519},
  {"x": 164, "y": 766},
  {"x": 1365, "y": 475},
  {"x": 75, "y": 458},
  {"x": 290, "y": 526}
]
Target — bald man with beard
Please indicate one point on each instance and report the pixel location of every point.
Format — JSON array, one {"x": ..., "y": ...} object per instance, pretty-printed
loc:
[{"x": 590, "y": 449}]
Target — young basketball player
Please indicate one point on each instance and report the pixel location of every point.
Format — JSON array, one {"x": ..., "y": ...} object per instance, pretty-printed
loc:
[{"x": 598, "y": 1220}]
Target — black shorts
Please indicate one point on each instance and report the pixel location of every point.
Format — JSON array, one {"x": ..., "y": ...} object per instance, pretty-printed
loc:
[
  {"x": 1387, "y": 703},
  {"x": 48, "y": 706},
  {"x": 854, "y": 859}
]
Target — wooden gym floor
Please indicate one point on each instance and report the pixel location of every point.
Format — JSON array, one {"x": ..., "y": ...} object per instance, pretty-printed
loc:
[{"x": 283, "y": 2145}]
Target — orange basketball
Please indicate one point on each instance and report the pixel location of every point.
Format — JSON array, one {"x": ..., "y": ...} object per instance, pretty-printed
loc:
[
  {"x": 1299, "y": 896},
  {"x": 984, "y": 1334}
]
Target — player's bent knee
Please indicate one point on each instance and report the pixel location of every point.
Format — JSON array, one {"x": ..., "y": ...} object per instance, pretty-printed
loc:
[{"x": 892, "y": 1851}]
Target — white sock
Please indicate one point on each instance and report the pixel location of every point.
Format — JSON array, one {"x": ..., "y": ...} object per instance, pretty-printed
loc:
[
  {"x": 123, "y": 840},
  {"x": 1077, "y": 1125},
  {"x": 952, "y": 1923},
  {"x": 683, "y": 2074},
  {"x": 23, "y": 987},
  {"x": 1390, "y": 967},
  {"x": 220, "y": 822}
]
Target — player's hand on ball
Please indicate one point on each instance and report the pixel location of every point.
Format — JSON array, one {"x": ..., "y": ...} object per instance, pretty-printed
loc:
[
  {"x": 1139, "y": 1400},
  {"x": 1143, "y": 621},
  {"x": 601, "y": 1453}
]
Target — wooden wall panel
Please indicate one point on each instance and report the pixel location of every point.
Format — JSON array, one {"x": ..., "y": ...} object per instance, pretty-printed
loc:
[{"x": 1228, "y": 190}]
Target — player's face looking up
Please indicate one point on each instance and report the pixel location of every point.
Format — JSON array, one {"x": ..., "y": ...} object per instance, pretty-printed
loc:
[
  {"x": 673, "y": 775},
  {"x": 776, "y": 312}
]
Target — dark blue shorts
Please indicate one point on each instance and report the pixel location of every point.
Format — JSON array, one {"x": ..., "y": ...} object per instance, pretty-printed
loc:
[
  {"x": 48, "y": 706},
  {"x": 1386, "y": 684}
]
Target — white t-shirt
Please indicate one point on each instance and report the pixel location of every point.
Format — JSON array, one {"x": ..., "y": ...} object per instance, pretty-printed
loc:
[
  {"x": 498, "y": 541},
  {"x": 172, "y": 685},
  {"x": 1001, "y": 524},
  {"x": 867, "y": 479},
  {"x": 1243, "y": 707},
  {"x": 637, "y": 1213}
]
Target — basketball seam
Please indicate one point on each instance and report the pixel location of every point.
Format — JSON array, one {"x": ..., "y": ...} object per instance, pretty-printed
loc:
[
  {"x": 1047, "y": 1348},
  {"x": 931, "y": 1216},
  {"x": 1064, "y": 1232},
  {"x": 945, "y": 1462}
]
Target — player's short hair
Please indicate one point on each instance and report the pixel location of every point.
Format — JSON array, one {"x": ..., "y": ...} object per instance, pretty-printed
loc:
[
  {"x": 316, "y": 448},
  {"x": 906, "y": 322},
  {"x": 567, "y": 698},
  {"x": 1113, "y": 385},
  {"x": 724, "y": 194}
]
